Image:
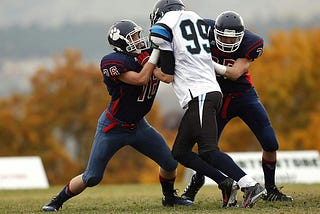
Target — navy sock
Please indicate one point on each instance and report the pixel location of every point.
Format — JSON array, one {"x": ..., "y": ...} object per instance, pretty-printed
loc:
[
  {"x": 66, "y": 194},
  {"x": 269, "y": 170},
  {"x": 167, "y": 185}
]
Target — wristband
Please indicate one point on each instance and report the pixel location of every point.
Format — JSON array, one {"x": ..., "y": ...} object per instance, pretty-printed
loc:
[
  {"x": 154, "y": 56},
  {"x": 219, "y": 69}
]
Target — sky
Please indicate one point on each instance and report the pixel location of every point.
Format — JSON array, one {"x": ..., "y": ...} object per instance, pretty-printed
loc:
[{"x": 54, "y": 13}]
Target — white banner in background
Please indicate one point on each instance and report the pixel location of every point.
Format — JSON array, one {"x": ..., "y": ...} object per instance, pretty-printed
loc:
[
  {"x": 22, "y": 173},
  {"x": 292, "y": 166}
]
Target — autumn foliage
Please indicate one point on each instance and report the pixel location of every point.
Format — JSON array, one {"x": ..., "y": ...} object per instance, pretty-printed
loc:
[{"x": 57, "y": 120}]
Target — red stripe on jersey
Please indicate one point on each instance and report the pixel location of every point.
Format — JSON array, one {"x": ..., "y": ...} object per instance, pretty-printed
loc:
[
  {"x": 114, "y": 109},
  {"x": 115, "y": 105},
  {"x": 113, "y": 62},
  {"x": 254, "y": 46},
  {"x": 113, "y": 124},
  {"x": 248, "y": 77}
]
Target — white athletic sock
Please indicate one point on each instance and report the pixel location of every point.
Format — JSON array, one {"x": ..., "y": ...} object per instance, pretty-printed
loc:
[{"x": 246, "y": 181}]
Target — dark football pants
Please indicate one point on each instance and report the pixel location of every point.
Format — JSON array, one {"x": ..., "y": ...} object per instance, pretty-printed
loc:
[
  {"x": 248, "y": 107},
  {"x": 198, "y": 125},
  {"x": 143, "y": 138}
]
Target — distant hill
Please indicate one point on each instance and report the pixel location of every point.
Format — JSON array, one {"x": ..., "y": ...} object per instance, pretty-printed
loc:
[{"x": 31, "y": 42}]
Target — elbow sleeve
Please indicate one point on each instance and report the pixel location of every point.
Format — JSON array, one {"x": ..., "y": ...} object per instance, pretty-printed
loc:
[{"x": 167, "y": 62}]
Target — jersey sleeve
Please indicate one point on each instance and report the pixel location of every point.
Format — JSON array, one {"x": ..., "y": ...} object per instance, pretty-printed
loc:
[
  {"x": 254, "y": 49},
  {"x": 161, "y": 36},
  {"x": 112, "y": 68}
]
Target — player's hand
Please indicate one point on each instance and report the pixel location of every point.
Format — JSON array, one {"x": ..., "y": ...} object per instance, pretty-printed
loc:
[{"x": 143, "y": 58}]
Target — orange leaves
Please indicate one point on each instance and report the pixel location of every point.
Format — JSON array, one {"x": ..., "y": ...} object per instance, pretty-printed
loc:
[{"x": 287, "y": 79}]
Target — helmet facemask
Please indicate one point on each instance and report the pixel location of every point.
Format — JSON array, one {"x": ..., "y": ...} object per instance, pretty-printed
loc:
[
  {"x": 136, "y": 45},
  {"x": 228, "y": 47}
]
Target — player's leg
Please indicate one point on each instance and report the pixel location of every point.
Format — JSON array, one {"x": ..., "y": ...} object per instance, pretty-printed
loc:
[
  {"x": 103, "y": 148},
  {"x": 190, "y": 128},
  {"x": 198, "y": 179},
  {"x": 222, "y": 161},
  {"x": 257, "y": 119},
  {"x": 150, "y": 143}
]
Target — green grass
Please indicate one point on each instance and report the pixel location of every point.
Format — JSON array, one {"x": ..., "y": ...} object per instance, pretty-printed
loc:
[{"x": 147, "y": 199}]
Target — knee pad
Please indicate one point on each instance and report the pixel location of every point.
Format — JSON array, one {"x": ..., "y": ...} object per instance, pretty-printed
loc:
[{"x": 268, "y": 139}]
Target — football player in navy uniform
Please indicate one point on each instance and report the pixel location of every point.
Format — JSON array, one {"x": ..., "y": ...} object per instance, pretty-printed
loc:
[
  {"x": 233, "y": 48},
  {"x": 132, "y": 89},
  {"x": 181, "y": 37}
]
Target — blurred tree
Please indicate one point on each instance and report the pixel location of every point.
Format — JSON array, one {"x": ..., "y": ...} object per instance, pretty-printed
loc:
[
  {"x": 71, "y": 97},
  {"x": 23, "y": 134}
]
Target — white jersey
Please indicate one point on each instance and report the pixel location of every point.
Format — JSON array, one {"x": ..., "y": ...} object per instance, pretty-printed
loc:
[{"x": 185, "y": 33}]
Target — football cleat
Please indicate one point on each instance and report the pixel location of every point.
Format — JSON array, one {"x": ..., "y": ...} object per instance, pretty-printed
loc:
[
  {"x": 229, "y": 189},
  {"x": 252, "y": 195},
  {"x": 193, "y": 187},
  {"x": 171, "y": 199},
  {"x": 54, "y": 205},
  {"x": 275, "y": 195}
]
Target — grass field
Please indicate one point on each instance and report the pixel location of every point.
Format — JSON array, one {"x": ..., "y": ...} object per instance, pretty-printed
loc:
[{"x": 147, "y": 199}]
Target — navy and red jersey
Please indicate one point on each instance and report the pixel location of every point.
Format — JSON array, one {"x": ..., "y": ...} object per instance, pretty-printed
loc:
[
  {"x": 251, "y": 48},
  {"x": 129, "y": 103}
]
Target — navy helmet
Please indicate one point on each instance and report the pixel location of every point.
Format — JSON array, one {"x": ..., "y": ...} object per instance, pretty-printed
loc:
[
  {"x": 121, "y": 37},
  {"x": 228, "y": 24}
]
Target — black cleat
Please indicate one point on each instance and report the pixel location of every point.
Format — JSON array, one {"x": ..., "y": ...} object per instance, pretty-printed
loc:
[
  {"x": 252, "y": 195},
  {"x": 229, "y": 189},
  {"x": 275, "y": 195},
  {"x": 54, "y": 205},
  {"x": 169, "y": 200},
  {"x": 193, "y": 187}
]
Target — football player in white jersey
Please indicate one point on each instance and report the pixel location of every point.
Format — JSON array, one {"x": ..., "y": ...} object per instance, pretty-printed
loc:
[{"x": 185, "y": 61}]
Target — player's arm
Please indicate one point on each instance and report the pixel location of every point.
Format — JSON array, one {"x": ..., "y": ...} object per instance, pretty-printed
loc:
[
  {"x": 235, "y": 71},
  {"x": 161, "y": 37},
  {"x": 240, "y": 66},
  {"x": 165, "y": 73},
  {"x": 143, "y": 77}
]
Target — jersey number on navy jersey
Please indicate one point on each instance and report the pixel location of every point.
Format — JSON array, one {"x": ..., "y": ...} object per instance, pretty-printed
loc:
[
  {"x": 152, "y": 87},
  {"x": 225, "y": 62},
  {"x": 191, "y": 32}
]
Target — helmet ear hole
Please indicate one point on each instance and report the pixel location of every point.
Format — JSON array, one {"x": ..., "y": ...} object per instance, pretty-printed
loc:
[{"x": 228, "y": 24}]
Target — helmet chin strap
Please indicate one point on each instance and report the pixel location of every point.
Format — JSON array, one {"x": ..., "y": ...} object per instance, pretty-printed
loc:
[{"x": 117, "y": 49}]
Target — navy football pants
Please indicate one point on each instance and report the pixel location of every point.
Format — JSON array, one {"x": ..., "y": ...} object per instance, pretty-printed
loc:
[
  {"x": 143, "y": 138},
  {"x": 248, "y": 107}
]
